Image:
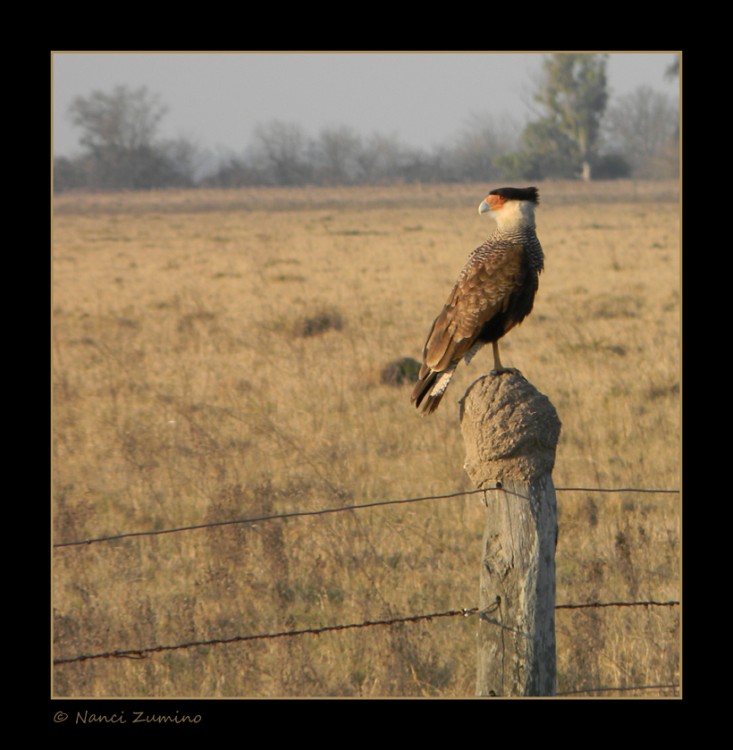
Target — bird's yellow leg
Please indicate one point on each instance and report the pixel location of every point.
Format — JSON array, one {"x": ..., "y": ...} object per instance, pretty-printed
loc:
[{"x": 498, "y": 367}]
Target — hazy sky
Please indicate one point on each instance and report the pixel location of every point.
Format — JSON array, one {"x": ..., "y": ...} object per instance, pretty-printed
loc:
[{"x": 217, "y": 99}]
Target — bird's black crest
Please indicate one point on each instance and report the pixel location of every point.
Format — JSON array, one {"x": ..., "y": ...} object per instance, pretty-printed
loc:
[{"x": 518, "y": 194}]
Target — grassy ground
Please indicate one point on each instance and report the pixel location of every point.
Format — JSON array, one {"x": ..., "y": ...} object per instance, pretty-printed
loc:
[{"x": 217, "y": 355}]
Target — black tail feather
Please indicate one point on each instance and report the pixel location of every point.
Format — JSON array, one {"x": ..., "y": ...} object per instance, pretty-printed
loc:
[{"x": 424, "y": 387}]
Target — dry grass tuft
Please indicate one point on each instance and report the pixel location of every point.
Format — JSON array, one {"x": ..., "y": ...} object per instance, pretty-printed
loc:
[
  {"x": 314, "y": 325},
  {"x": 399, "y": 371}
]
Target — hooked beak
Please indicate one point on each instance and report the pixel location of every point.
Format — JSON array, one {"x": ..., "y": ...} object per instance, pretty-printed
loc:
[{"x": 484, "y": 207}]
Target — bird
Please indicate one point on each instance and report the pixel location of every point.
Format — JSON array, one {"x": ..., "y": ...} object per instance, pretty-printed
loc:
[{"x": 495, "y": 291}]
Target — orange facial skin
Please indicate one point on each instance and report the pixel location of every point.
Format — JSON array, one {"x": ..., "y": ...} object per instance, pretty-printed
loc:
[{"x": 495, "y": 202}]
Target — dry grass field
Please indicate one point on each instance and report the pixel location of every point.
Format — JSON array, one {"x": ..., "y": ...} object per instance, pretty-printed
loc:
[{"x": 218, "y": 355}]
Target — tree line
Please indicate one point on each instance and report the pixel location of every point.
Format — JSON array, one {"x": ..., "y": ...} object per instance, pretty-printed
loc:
[{"x": 576, "y": 133}]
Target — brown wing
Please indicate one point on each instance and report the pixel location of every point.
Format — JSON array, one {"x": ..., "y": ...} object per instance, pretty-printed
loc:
[{"x": 482, "y": 291}]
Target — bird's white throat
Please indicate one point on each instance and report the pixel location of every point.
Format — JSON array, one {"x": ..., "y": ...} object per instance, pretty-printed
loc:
[{"x": 514, "y": 216}]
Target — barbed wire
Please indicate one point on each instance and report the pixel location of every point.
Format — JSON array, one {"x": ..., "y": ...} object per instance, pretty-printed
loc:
[
  {"x": 600, "y": 605},
  {"x": 620, "y": 689},
  {"x": 141, "y": 653},
  {"x": 640, "y": 490},
  {"x": 340, "y": 509}
]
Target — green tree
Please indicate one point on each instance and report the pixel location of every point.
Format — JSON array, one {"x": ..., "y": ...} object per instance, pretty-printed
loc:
[
  {"x": 545, "y": 152},
  {"x": 573, "y": 94}
]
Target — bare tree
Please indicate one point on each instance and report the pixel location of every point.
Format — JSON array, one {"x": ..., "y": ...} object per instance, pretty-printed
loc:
[
  {"x": 673, "y": 71},
  {"x": 484, "y": 139},
  {"x": 336, "y": 156},
  {"x": 124, "y": 119},
  {"x": 118, "y": 133},
  {"x": 383, "y": 158},
  {"x": 121, "y": 144},
  {"x": 644, "y": 127},
  {"x": 280, "y": 150}
]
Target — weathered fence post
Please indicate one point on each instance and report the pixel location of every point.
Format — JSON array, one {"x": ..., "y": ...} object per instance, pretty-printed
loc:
[{"x": 510, "y": 431}]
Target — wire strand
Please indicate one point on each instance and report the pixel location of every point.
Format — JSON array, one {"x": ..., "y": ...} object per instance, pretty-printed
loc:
[
  {"x": 140, "y": 653},
  {"x": 324, "y": 511},
  {"x": 624, "y": 689},
  {"x": 259, "y": 519},
  {"x": 600, "y": 605}
]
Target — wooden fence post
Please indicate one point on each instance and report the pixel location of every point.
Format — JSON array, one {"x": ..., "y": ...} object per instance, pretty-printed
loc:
[{"x": 511, "y": 431}]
